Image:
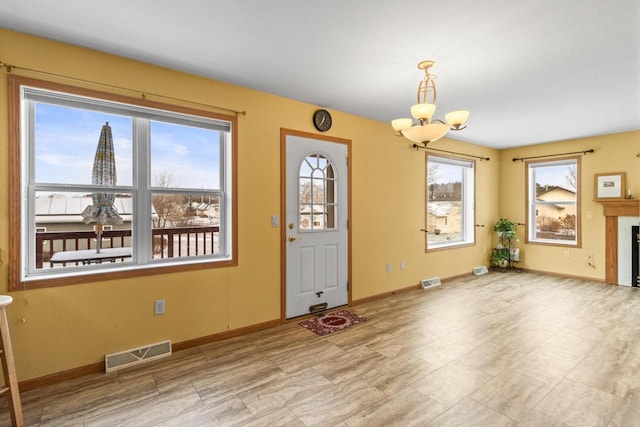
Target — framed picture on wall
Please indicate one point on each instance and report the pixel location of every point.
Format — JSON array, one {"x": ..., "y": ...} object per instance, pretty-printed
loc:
[{"x": 609, "y": 186}]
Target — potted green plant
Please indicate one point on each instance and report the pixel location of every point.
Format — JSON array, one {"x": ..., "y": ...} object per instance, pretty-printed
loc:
[
  {"x": 500, "y": 258},
  {"x": 506, "y": 230}
]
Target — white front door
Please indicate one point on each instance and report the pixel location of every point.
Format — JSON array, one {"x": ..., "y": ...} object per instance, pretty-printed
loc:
[{"x": 316, "y": 235}]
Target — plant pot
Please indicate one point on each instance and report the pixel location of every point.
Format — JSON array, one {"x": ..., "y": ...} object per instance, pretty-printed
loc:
[{"x": 503, "y": 263}]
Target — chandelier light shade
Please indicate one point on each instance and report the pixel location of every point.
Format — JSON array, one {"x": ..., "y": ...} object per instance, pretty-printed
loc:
[{"x": 425, "y": 129}]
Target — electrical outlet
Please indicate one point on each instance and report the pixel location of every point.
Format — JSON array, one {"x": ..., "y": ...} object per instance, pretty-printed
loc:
[
  {"x": 158, "y": 307},
  {"x": 388, "y": 267},
  {"x": 567, "y": 254},
  {"x": 402, "y": 265},
  {"x": 590, "y": 262}
]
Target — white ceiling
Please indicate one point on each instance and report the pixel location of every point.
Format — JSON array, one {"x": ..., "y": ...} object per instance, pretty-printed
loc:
[{"x": 529, "y": 71}]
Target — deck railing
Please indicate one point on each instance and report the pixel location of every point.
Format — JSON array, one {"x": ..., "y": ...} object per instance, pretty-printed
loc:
[{"x": 167, "y": 242}]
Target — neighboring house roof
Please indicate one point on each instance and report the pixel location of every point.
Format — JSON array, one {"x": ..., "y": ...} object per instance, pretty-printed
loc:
[
  {"x": 63, "y": 209},
  {"x": 551, "y": 205},
  {"x": 202, "y": 206},
  {"x": 556, "y": 193}
]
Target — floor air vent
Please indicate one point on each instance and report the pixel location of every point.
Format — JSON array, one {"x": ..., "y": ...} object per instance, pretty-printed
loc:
[
  {"x": 136, "y": 356},
  {"x": 479, "y": 271},
  {"x": 430, "y": 283}
]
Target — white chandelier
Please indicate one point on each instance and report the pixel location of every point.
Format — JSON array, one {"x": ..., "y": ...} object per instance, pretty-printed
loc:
[{"x": 426, "y": 129}]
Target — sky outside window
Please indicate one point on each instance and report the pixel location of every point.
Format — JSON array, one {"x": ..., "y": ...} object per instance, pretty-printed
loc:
[
  {"x": 190, "y": 155},
  {"x": 66, "y": 139},
  {"x": 554, "y": 176}
]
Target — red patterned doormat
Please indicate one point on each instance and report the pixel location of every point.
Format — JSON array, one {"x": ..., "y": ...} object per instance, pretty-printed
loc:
[{"x": 332, "y": 322}]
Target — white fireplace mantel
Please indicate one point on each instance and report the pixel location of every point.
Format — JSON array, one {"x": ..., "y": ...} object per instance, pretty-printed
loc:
[{"x": 625, "y": 243}]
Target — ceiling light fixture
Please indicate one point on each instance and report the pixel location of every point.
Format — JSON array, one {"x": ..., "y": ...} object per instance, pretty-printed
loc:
[{"x": 426, "y": 129}]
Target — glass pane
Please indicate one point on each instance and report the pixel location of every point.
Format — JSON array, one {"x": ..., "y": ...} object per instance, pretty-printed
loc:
[
  {"x": 185, "y": 225},
  {"x": 306, "y": 169},
  {"x": 555, "y": 202},
  {"x": 444, "y": 202},
  {"x": 66, "y": 140},
  {"x": 330, "y": 218},
  {"x": 184, "y": 156},
  {"x": 317, "y": 190},
  {"x": 305, "y": 217},
  {"x": 330, "y": 173},
  {"x": 330, "y": 186},
  {"x": 322, "y": 162},
  {"x": 66, "y": 233},
  {"x": 305, "y": 190}
]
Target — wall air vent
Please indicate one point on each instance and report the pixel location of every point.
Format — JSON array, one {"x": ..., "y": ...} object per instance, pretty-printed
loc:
[
  {"x": 430, "y": 283},
  {"x": 136, "y": 356}
]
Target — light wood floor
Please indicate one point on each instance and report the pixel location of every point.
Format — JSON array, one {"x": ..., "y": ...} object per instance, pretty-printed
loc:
[{"x": 501, "y": 349}]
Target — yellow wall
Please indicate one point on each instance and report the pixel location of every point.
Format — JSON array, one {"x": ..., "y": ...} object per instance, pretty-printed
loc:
[
  {"x": 56, "y": 329},
  {"x": 613, "y": 153}
]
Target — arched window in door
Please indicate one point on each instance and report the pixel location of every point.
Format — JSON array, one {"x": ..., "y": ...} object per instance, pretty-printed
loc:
[{"x": 317, "y": 189}]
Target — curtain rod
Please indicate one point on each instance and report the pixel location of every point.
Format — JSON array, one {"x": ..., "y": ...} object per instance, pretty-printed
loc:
[
  {"x": 143, "y": 95},
  {"x": 416, "y": 146},
  {"x": 515, "y": 159}
]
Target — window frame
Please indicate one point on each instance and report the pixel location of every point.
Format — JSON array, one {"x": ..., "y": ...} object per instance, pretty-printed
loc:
[
  {"x": 19, "y": 182},
  {"x": 468, "y": 229},
  {"x": 531, "y": 208}
]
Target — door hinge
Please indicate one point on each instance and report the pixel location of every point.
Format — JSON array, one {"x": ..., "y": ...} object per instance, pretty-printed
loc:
[{"x": 347, "y": 285}]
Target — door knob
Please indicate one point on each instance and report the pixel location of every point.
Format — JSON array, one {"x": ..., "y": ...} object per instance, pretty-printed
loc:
[{"x": 292, "y": 238}]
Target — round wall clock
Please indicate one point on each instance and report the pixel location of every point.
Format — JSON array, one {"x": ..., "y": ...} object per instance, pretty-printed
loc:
[{"x": 322, "y": 120}]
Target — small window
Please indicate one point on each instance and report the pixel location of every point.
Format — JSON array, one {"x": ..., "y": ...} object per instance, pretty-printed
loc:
[
  {"x": 553, "y": 202},
  {"x": 317, "y": 189},
  {"x": 450, "y": 215}
]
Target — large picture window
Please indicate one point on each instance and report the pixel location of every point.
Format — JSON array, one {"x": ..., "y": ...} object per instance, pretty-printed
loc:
[
  {"x": 450, "y": 202},
  {"x": 553, "y": 202},
  {"x": 111, "y": 185}
]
